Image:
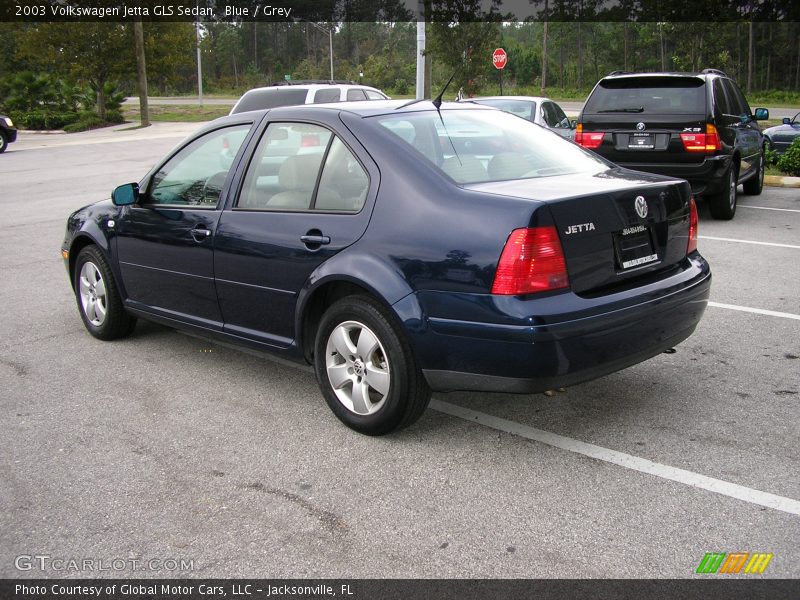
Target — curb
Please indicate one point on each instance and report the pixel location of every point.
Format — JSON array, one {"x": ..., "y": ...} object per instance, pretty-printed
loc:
[{"x": 780, "y": 181}]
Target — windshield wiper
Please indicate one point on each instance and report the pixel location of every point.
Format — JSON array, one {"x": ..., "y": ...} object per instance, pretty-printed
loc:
[{"x": 623, "y": 110}]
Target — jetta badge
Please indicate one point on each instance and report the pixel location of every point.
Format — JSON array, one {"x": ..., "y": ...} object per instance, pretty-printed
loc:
[
  {"x": 640, "y": 126},
  {"x": 640, "y": 204}
]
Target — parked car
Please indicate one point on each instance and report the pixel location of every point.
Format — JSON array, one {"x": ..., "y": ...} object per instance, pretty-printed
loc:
[
  {"x": 535, "y": 109},
  {"x": 780, "y": 137},
  {"x": 289, "y": 93},
  {"x": 8, "y": 133},
  {"x": 395, "y": 260},
  {"x": 696, "y": 126}
]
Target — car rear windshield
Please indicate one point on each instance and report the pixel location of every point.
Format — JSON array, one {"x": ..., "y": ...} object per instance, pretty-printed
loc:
[
  {"x": 522, "y": 108},
  {"x": 476, "y": 145},
  {"x": 272, "y": 98},
  {"x": 648, "y": 95}
]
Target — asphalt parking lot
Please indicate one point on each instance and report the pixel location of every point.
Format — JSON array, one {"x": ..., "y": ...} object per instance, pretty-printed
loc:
[{"x": 168, "y": 447}]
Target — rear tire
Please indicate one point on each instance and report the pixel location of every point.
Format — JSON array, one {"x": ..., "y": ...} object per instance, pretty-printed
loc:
[
  {"x": 755, "y": 184},
  {"x": 98, "y": 297},
  {"x": 366, "y": 370},
  {"x": 723, "y": 205}
]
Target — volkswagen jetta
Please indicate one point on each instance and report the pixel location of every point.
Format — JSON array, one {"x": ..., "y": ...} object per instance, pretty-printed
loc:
[{"x": 399, "y": 249}]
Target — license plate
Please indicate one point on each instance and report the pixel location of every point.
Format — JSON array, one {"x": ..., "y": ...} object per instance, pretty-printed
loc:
[
  {"x": 641, "y": 141},
  {"x": 634, "y": 247}
]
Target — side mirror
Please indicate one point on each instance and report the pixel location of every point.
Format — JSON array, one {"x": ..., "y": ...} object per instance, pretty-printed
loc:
[
  {"x": 762, "y": 114},
  {"x": 787, "y": 121},
  {"x": 125, "y": 194},
  {"x": 573, "y": 124}
]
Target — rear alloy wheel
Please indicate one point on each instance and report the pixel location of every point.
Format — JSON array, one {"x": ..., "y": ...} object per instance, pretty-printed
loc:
[
  {"x": 3, "y": 142},
  {"x": 366, "y": 370},
  {"x": 98, "y": 299},
  {"x": 723, "y": 205},
  {"x": 755, "y": 184}
]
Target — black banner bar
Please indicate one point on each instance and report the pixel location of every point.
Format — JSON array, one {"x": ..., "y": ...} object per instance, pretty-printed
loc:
[
  {"x": 733, "y": 588},
  {"x": 398, "y": 10}
]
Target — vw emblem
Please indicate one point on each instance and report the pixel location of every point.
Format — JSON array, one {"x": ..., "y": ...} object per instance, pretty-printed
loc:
[
  {"x": 640, "y": 126},
  {"x": 640, "y": 204}
]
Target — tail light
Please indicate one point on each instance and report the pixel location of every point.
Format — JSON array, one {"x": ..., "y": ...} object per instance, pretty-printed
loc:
[
  {"x": 707, "y": 142},
  {"x": 692, "y": 245},
  {"x": 309, "y": 140},
  {"x": 590, "y": 139},
  {"x": 225, "y": 144},
  {"x": 532, "y": 261}
]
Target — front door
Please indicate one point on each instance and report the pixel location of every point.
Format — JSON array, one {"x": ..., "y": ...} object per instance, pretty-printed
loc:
[{"x": 165, "y": 242}]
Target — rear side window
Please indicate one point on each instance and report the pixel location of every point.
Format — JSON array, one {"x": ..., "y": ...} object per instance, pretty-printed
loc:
[
  {"x": 649, "y": 95},
  {"x": 284, "y": 174},
  {"x": 270, "y": 98},
  {"x": 328, "y": 95},
  {"x": 355, "y": 94},
  {"x": 721, "y": 98},
  {"x": 739, "y": 106}
]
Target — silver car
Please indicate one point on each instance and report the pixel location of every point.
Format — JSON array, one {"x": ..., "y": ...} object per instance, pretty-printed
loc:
[{"x": 541, "y": 111}]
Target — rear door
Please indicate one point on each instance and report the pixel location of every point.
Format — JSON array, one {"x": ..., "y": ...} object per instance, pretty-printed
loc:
[
  {"x": 643, "y": 117},
  {"x": 285, "y": 222}
]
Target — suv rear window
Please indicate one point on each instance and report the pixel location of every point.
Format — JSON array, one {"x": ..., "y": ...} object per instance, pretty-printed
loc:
[
  {"x": 653, "y": 95},
  {"x": 272, "y": 98}
]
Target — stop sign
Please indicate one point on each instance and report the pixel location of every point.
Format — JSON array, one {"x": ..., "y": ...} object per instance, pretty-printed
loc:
[{"x": 499, "y": 58}]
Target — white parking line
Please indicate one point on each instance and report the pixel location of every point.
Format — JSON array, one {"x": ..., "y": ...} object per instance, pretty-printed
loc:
[
  {"x": 758, "y": 311},
  {"x": 628, "y": 461},
  {"x": 719, "y": 239},
  {"x": 768, "y": 208}
]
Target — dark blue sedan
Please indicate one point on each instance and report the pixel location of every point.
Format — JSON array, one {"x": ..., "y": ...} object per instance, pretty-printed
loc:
[{"x": 399, "y": 250}]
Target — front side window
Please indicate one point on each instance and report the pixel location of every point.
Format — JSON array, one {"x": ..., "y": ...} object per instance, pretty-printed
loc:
[
  {"x": 301, "y": 167},
  {"x": 373, "y": 95},
  {"x": 196, "y": 174},
  {"x": 475, "y": 145}
]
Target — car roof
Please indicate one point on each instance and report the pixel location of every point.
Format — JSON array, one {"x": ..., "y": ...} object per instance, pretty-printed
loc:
[
  {"x": 528, "y": 98},
  {"x": 300, "y": 86},
  {"x": 361, "y": 108}
]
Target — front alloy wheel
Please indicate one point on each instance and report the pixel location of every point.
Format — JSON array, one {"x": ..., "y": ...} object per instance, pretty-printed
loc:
[
  {"x": 366, "y": 369},
  {"x": 92, "y": 290},
  {"x": 98, "y": 297}
]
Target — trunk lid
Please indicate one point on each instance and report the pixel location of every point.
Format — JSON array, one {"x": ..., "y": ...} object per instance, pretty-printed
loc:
[{"x": 616, "y": 227}]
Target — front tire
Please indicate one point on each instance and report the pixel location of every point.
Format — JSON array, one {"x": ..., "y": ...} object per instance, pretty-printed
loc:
[
  {"x": 755, "y": 184},
  {"x": 723, "y": 205},
  {"x": 366, "y": 370},
  {"x": 98, "y": 297},
  {"x": 3, "y": 142}
]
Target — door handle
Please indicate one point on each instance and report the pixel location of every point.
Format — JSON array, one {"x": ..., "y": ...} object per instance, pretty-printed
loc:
[
  {"x": 315, "y": 240},
  {"x": 200, "y": 233}
]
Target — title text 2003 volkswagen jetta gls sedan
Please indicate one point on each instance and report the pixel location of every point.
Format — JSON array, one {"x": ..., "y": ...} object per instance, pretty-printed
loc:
[{"x": 398, "y": 249}]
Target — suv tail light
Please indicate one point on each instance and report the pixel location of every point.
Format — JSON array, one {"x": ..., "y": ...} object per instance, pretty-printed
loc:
[
  {"x": 309, "y": 140},
  {"x": 590, "y": 139},
  {"x": 532, "y": 261},
  {"x": 707, "y": 142},
  {"x": 692, "y": 245}
]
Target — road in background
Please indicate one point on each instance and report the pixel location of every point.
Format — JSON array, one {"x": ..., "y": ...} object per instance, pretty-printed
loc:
[{"x": 164, "y": 445}]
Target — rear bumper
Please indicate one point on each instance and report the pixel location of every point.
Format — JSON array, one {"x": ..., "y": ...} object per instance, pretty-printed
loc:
[
  {"x": 705, "y": 177},
  {"x": 601, "y": 338}
]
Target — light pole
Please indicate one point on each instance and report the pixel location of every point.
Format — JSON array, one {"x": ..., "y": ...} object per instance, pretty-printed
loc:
[{"x": 329, "y": 31}]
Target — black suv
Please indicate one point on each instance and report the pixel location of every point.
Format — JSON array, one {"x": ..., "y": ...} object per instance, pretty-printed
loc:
[
  {"x": 8, "y": 133},
  {"x": 696, "y": 126}
]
